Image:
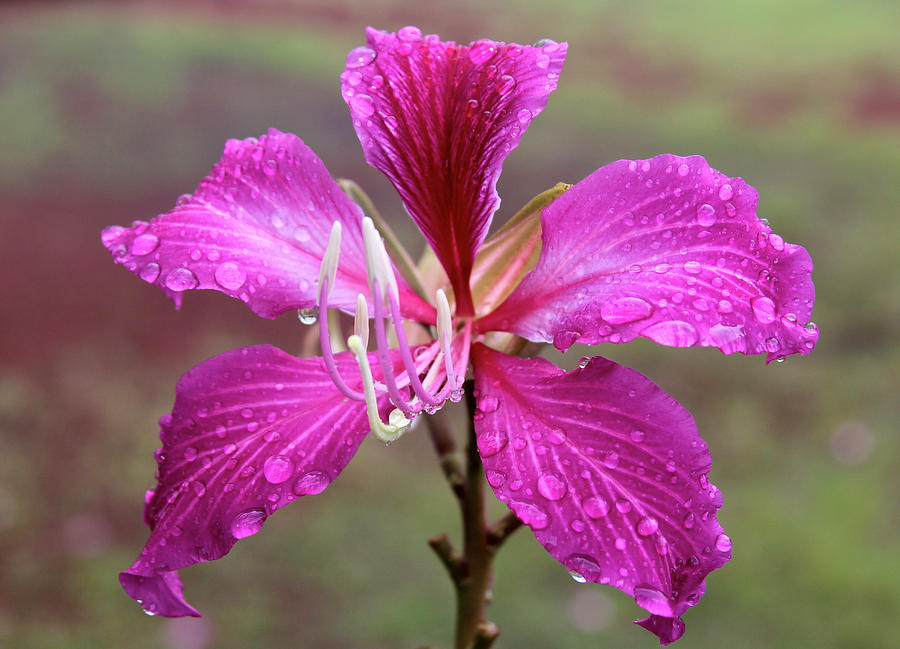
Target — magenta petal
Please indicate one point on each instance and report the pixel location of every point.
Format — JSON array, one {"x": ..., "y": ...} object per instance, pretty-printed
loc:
[
  {"x": 251, "y": 430},
  {"x": 256, "y": 228},
  {"x": 607, "y": 470},
  {"x": 669, "y": 249},
  {"x": 668, "y": 629},
  {"x": 439, "y": 119}
]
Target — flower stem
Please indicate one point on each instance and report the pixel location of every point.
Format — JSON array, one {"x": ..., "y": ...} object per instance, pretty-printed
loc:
[{"x": 472, "y": 569}]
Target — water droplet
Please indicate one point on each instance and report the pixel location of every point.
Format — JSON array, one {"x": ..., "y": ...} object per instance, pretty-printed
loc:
[
  {"x": 688, "y": 520},
  {"x": 683, "y": 170},
  {"x": 409, "y": 33},
  {"x": 623, "y": 506},
  {"x": 190, "y": 454},
  {"x": 542, "y": 61},
  {"x": 181, "y": 279},
  {"x": 524, "y": 116},
  {"x": 247, "y": 523},
  {"x": 311, "y": 483},
  {"x": 723, "y": 543},
  {"x": 144, "y": 244},
  {"x": 637, "y": 436},
  {"x": 577, "y": 577},
  {"x": 532, "y": 515},
  {"x": 308, "y": 316},
  {"x": 584, "y": 567},
  {"x": 492, "y": 442},
  {"x": 726, "y": 192},
  {"x": 505, "y": 85},
  {"x": 621, "y": 544},
  {"x": 150, "y": 272},
  {"x": 595, "y": 506},
  {"x": 278, "y": 468},
  {"x": 674, "y": 333},
  {"x": 647, "y": 526},
  {"x": 496, "y": 478},
  {"x": 551, "y": 485},
  {"x": 706, "y": 215},
  {"x": 693, "y": 267},
  {"x": 488, "y": 403},
  {"x": 578, "y": 525},
  {"x": 360, "y": 57},
  {"x": 763, "y": 310},
  {"x": 199, "y": 488},
  {"x": 230, "y": 276},
  {"x": 481, "y": 51},
  {"x": 362, "y": 105},
  {"x": 625, "y": 309},
  {"x": 611, "y": 460}
]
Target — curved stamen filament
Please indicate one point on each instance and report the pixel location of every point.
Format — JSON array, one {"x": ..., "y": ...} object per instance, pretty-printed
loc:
[
  {"x": 406, "y": 354},
  {"x": 387, "y": 367},
  {"x": 398, "y": 425},
  {"x": 328, "y": 354}
]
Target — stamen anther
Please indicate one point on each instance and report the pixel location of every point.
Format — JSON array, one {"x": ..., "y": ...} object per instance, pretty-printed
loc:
[
  {"x": 378, "y": 264},
  {"x": 398, "y": 424},
  {"x": 330, "y": 259}
]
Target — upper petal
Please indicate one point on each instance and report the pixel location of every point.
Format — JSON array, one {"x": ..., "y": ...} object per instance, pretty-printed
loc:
[
  {"x": 669, "y": 249},
  {"x": 439, "y": 119},
  {"x": 255, "y": 229},
  {"x": 251, "y": 430},
  {"x": 607, "y": 470}
]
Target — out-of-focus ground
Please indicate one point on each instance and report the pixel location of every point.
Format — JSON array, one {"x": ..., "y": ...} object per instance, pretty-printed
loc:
[{"x": 109, "y": 111}]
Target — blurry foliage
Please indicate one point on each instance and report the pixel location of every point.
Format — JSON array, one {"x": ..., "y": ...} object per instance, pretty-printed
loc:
[{"x": 108, "y": 112}]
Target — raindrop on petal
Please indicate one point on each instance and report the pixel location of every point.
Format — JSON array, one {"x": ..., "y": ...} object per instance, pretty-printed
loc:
[
  {"x": 278, "y": 468},
  {"x": 181, "y": 279},
  {"x": 551, "y": 485},
  {"x": 230, "y": 276},
  {"x": 310, "y": 483},
  {"x": 247, "y": 523},
  {"x": 595, "y": 506}
]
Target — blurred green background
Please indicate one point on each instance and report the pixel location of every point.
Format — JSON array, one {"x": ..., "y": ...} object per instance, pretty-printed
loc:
[{"x": 109, "y": 111}]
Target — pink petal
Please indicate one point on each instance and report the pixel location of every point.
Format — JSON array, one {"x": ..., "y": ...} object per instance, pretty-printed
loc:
[
  {"x": 669, "y": 249},
  {"x": 251, "y": 430},
  {"x": 255, "y": 229},
  {"x": 439, "y": 119},
  {"x": 607, "y": 470}
]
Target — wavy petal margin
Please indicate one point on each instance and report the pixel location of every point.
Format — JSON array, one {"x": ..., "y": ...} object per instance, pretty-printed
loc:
[
  {"x": 610, "y": 474},
  {"x": 251, "y": 430},
  {"x": 669, "y": 249},
  {"x": 256, "y": 229},
  {"x": 438, "y": 119}
]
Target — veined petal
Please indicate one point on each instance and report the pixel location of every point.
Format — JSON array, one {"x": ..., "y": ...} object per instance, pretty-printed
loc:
[
  {"x": 607, "y": 470},
  {"x": 255, "y": 229},
  {"x": 669, "y": 249},
  {"x": 439, "y": 119},
  {"x": 251, "y": 430}
]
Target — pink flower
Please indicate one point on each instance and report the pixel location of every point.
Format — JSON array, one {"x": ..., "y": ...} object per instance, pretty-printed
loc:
[{"x": 608, "y": 471}]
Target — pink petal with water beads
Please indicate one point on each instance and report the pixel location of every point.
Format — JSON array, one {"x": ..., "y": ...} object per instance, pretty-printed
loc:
[
  {"x": 607, "y": 470},
  {"x": 255, "y": 229},
  {"x": 251, "y": 430},
  {"x": 669, "y": 249},
  {"x": 439, "y": 119}
]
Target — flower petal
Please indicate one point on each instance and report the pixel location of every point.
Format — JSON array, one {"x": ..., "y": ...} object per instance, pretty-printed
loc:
[
  {"x": 256, "y": 229},
  {"x": 251, "y": 430},
  {"x": 607, "y": 470},
  {"x": 439, "y": 119},
  {"x": 669, "y": 249}
]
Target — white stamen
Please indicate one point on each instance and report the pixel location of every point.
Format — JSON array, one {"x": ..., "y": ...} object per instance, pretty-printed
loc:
[
  {"x": 361, "y": 320},
  {"x": 330, "y": 258},
  {"x": 444, "y": 333},
  {"x": 378, "y": 264},
  {"x": 398, "y": 424}
]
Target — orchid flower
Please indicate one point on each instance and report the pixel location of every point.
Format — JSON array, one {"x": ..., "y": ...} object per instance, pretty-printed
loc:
[{"x": 607, "y": 470}]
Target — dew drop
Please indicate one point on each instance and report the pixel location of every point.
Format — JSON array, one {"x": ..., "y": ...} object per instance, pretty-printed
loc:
[
  {"x": 637, "y": 436},
  {"x": 181, "y": 279},
  {"x": 595, "y": 506},
  {"x": 689, "y": 520},
  {"x": 585, "y": 568},
  {"x": 150, "y": 272},
  {"x": 310, "y": 483},
  {"x": 726, "y": 192},
  {"x": 308, "y": 316},
  {"x": 505, "y": 85},
  {"x": 625, "y": 309},
  {"x": 496, "y": 478},
  {"x": 492, "y": 442},
  {"x": 524, "y": 116},
  {"x": 621, "y": 543},
  {"x": 693, "y": 267},
  {"x": 190, "y": 454},
  {"x": 647, "y": 526},
  {"x": 611, "y": 460},
  {"x": 481, "y": 51},
  {"x": 763, "y": 310},
  {"x": 144, "y": 244},
  {"x": 409, "y": 33},
  {"x": 199, "y": 488},
  {"x": 360, "y": 57},
  {"x": 683, "y": 170},
  {"x": 551, "y": 485},
  {"x": 532, "y": 515},
  {"x": 723, "y": 543},
  {"x": 623, "y": 506},
  {"x": 488, "y": 403},
  {"x": 247, "y": 523},
  {"x": 362, "y": 105},
  {"x": 674, "y": 333},
  {"x": 278, "y": 468},
  {"x": 706, "y": 215},
  {"x": 230, "y": 276}
]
